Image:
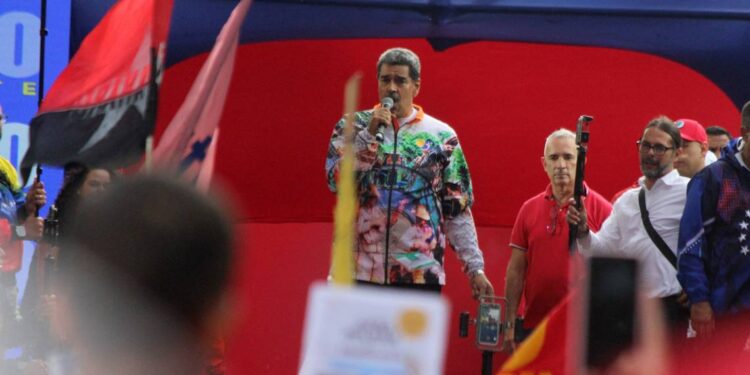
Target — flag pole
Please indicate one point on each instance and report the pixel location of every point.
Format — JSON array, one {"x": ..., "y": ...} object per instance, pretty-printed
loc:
[
  {"x": 151, "y": 108},
  {"x": 42, "y": 43},
  {"x": 149, "y": 152},
  {"x": 40, "y": 89}
]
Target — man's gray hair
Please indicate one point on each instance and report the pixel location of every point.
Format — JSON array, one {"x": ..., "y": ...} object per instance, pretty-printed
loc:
[
  {"x": 401, "y": 56},
  {"x": 559, "y": 133}
]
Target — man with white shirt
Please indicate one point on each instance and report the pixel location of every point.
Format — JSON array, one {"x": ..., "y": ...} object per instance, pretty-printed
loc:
[{"x": 624, "y": 233}]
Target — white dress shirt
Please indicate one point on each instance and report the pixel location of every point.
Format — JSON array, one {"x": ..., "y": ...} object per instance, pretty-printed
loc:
[{"x": 624, "y": 235}]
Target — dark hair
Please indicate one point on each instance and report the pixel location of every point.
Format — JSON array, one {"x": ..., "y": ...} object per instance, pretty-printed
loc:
[
  {"x": 164, "y": 238},
  {"x": 717, "y": 130},
  {"x": 666, "y": 125},
  {"x": 401, "y": 56},
  {"x": 67, "y": 199},
  {"x": 746, "y": 116}
]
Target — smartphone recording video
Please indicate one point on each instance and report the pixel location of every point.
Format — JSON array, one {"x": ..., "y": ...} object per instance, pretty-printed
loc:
[{"x": 488, "y": 324}]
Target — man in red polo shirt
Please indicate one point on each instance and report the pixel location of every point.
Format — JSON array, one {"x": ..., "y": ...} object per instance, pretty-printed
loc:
[{"x": 538, "y": 265}]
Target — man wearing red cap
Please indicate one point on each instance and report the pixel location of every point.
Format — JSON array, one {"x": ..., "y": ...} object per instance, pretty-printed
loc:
[{"x": 695, "y": 153}]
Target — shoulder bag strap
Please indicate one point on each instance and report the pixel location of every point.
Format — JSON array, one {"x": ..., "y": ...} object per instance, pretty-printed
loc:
[{"x": 658, "y": 241}]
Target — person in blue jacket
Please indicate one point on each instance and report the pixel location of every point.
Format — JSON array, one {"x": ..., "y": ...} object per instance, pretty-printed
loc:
[{"x": 714, "y": 240}]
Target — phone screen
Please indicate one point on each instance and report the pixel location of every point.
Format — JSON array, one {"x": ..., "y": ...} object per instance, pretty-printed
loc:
[
  {"x": 488, "y": 326},
  {"x": 611, "y": 309}
]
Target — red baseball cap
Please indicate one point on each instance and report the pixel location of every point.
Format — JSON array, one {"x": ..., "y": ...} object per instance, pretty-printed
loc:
[{"x": 691, "y": 130}]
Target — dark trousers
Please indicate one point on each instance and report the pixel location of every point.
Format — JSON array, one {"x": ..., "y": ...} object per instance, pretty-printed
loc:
[
  {"x": 677, "y": 318},
  {"x": 520, "y": 333}
]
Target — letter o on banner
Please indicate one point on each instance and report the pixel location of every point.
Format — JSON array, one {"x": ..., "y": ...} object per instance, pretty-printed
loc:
[{"x": 20, "y": 57}]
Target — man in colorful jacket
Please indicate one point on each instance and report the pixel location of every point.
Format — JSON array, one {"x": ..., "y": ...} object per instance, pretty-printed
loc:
[{"x": 414, "y": 187}]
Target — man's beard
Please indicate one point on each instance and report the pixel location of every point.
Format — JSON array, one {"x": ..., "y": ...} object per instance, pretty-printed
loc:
[{"x": 652, "y": 173}]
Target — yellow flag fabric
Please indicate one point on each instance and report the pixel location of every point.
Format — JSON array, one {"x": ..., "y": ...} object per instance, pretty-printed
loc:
[
  {"x": 7, "y": 169},
  {"x": 345, "y": 212}
]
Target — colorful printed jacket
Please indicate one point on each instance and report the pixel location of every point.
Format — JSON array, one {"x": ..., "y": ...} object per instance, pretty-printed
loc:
[
  {"x": 429, "y": 200},
  {"x": 714, "y": 242}
]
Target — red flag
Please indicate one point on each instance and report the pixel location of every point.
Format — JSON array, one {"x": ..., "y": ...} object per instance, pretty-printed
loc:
[
  {"x": 101, "y": 108},
  {"x": 543, "y": 352},
  {"x": 191, "y": 136}
]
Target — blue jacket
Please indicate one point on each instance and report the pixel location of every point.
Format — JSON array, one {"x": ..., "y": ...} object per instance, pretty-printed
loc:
[{"x": 714, "y": 242}]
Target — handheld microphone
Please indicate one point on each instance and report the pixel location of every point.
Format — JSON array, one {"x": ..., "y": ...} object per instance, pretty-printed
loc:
[{"x": 387, "y": 103}]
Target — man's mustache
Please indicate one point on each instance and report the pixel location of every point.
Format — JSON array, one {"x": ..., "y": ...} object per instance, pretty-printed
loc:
[{"x": 649, "y": 162}]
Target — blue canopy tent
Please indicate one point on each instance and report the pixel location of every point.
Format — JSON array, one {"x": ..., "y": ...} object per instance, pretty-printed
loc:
[{"x": 710, "y": 37}]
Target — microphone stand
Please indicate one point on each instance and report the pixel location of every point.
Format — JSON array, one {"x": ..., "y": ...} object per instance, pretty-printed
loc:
[
  {"x": 487, "y": 362},
  {"x": 390, "y": 181}
]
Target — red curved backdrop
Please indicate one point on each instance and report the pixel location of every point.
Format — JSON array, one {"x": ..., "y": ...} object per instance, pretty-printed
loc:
[{"x": 502, "y": 99}]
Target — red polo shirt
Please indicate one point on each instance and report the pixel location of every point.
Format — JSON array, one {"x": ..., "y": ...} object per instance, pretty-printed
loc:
[{"x": 541, "y": 230}]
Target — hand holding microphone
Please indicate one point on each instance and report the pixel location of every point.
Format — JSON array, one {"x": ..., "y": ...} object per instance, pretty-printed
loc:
[{"x": 381, "y": 118}]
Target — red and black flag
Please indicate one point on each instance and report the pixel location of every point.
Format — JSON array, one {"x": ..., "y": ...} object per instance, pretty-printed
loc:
[{"x": 102, "y": 107}]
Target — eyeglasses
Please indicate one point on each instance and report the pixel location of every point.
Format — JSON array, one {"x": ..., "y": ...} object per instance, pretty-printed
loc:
[{"x": 659, "y": 150}]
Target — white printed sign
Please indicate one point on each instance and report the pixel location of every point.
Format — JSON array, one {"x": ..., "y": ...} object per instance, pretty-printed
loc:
[{"x": 373, "y": 331}]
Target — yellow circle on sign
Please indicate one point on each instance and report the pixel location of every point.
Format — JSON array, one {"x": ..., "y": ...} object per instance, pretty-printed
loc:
[{"x": 413, "y": 322}]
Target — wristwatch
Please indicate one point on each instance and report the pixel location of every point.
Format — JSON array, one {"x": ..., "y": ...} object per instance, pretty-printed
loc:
[
  {"x": 476, "y": 272},
  {"x": 20, "y": 231}
]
